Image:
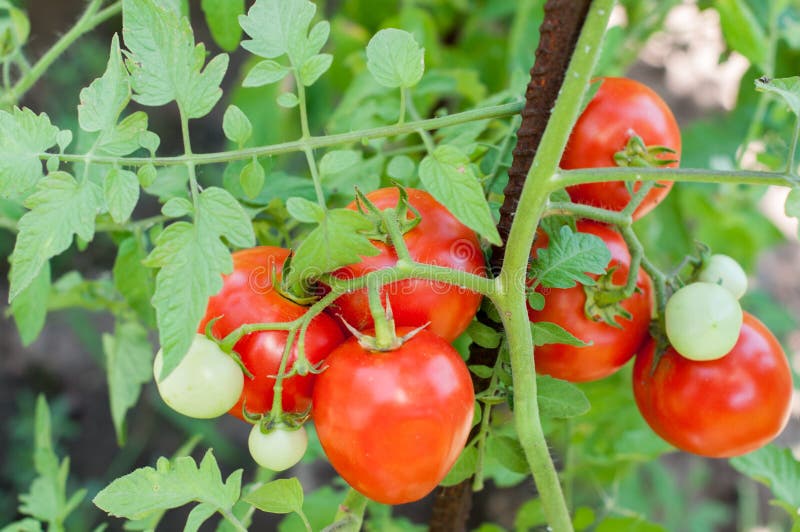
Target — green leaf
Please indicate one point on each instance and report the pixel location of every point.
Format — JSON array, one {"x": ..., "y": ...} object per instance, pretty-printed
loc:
[
  {"x": 787, "y": 88},
  {"x": 236, "y": 125},
  {"x": 105, "y": 98},
  {"x": 304, "y": 210},
  {"x": 336, "y": 242},
  {"x": 288, "y": 100},
  {"x": 314, "y": 67},
  {"x": 173, "y": 483},
  {"x": 177, "y": 208},
  {"x": 401, "y": 167},
  {"x": 484, "y": 372},
  {"x": 337, "y": 161},
  {"x": 121, "y": 190},
  {"x": 165, "y": 64},
  {"x": 395, "y": 59},
  {"x": 192, "y": 259},
  {"x": 264, "y": 73},
  {"x": 147, "y": 175},
  {"x": 252, "y": 178},
  {"x": 149, "y": 141},
  {"x": 133, "y": 279},
  {"x": 23, "y": 135},
  {"x": 628, "y": 524},
  {"x": 125, "y": 137},
  {"x": 483, "y": 335},
  {"x": 742, "y": 31},
  {"x": 536, "y": 300},
  {"x": 448, "y": 176},
  {"x": 508, "y": 452},
  {"x": 530, "y": 515},
  {"x": 778, "y": 469},
  {"x": 464, "y": 467},
  {"x": 222, "y": 17},
  {"x": 568, "y": 257},
  {"x": 25, "y": 525},
  {"x": 560, "y": 399},
  {"x": 60, "y": 208},
  {"x": 280, "y": 27},
  {"x": 281, "y": 496},
  {"x": 199, "y": 515},
  {"x": 46, "y": 499},
  {"x": 30, "y": 306},
  {"x": 129, "y": 365},
  {"x": 545, "y": 332}
]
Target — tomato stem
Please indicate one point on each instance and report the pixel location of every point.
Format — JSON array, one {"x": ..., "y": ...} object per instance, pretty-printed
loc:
[
  {"x": 351, "y": 512},
  {"x": 511, "y": 301},
  {"x": 385, "y": 336}
]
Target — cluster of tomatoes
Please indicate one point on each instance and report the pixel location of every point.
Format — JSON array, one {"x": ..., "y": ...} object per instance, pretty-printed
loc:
[
  {"x": 393, "y": 420},
  {"x": 723, "y": 387}
]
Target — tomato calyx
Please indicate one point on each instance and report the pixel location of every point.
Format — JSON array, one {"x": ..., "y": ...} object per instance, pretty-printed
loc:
[
  {"x": 604, "y": 300},
  {"x": 380, "y": 232},
  {"x": 637, "y": 154},
  {"x": 384, "y": 344},
  {"x": 301, "y": 292},
  {"x": 273, "y": 420}
]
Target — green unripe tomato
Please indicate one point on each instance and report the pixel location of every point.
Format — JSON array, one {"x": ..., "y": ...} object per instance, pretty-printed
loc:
[
  {"x": 206, "y": 384},
  {"x": 726, "y": 272},
  {"x": 703, "y": 321},
  {"x": 279, "y": 449}
]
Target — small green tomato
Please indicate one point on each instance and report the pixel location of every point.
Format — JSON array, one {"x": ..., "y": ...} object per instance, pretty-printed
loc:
[
  {"x": 726, "y": 272},
  {"x": 206, "y": 384},
  {"x": 279, "y": 449},
  {"x": 703, "y": 321}
]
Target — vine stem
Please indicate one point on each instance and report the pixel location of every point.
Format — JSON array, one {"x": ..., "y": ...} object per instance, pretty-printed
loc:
[
  {"x": 566, "y": 178},
  {"x": 510, "y": 299},
  {"x": 483, "y": 113},
  {"x": 88, "y": 21},
  {"x": 235, "y": 523}
]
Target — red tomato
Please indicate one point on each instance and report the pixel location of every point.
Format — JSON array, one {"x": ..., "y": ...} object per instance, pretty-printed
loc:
[
  {"x": 393, "y": 423},
  {"x": 717, "y": 408},
  {"x": 611, "y": 347},
  {"x": 438, "y": 239},
  {"x": 620, "y": 108},
  {"x": 247, "y": 296}
]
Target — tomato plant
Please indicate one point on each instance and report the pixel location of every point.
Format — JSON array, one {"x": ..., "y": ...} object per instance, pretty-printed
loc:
[
  {"x": 206, "y": 384},
  {"x": 248, "y": 295},
  {"x": 718, "y": 408},
  {"x": 620, "y": 109},
  {"x": 195, "y": 167},
  {"x": 438, "y": 239},
  {"x": 611, "y": 346},
  {"x": 393, "y": 423}
]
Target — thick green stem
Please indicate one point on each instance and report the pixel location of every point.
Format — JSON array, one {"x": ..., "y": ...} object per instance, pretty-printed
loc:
[
  {"x": 277, "y": 389},
  {"x": 791, "y": 165},
  {"x": 351, "y": 513},
  {"x": 88, "y": 21},
  {"x": 483, "y": 113},
  {"x": 234, "y": 522},
  {"x": 511, "y": 282},
  {"x": 395, "y": 234}
]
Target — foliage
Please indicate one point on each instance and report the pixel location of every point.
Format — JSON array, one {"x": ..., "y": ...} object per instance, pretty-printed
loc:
[{"x": 369, "y": 95}]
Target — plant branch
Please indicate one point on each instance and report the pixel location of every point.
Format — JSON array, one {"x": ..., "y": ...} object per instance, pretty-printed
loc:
[
  {"x": 567, "y": 178},
  {"x": 511, "y": 302},
  {"x": 91, "y": 18},
  {"x": 482, "y": 113}
]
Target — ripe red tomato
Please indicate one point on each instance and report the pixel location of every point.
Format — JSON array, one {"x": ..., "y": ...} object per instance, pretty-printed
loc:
[
  {"x": 717, "y": 408},
  {"x": 438, "y": 239},
  {"x": 393, "y": 423},
  {"x": 611, "y": 347},
  {"x": 247, "y": 296},
  {"x": 620, "y": 108}
]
